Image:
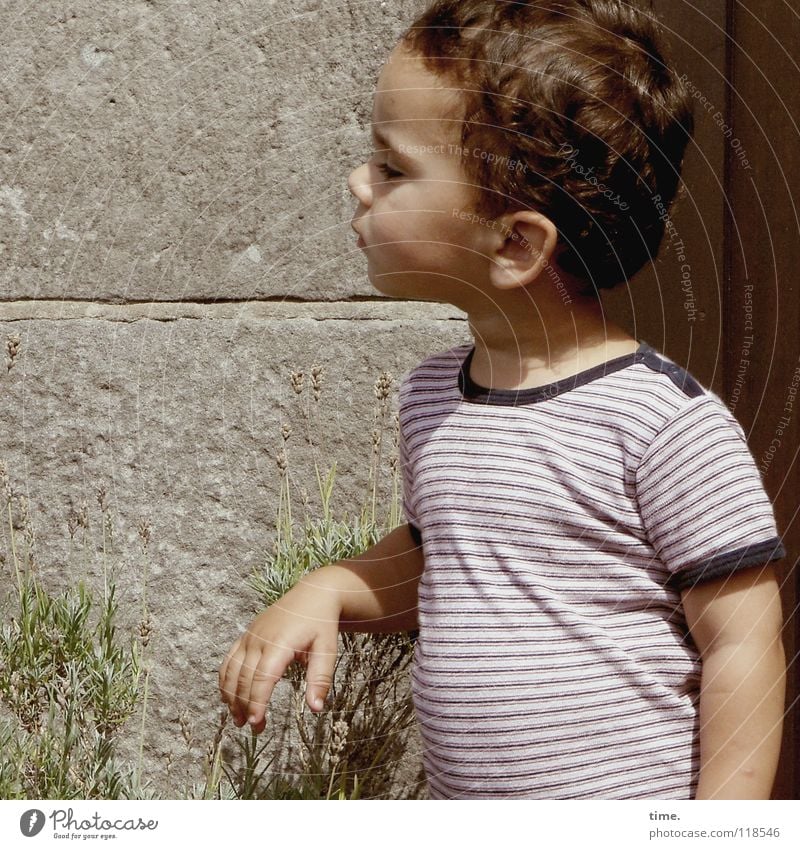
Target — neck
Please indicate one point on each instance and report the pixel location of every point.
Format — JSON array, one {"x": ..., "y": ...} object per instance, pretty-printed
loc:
[{"x": 525, "y": 341}]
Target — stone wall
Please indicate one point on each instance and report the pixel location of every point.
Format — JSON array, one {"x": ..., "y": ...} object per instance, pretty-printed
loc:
[{"x": 175, "y": 242}]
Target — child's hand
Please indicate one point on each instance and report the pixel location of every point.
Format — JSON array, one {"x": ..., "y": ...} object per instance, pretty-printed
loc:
[{"x": 303, "y": 625}]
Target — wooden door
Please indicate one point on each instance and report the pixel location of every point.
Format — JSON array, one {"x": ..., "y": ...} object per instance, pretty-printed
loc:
[{"x": 722, "y": 300}]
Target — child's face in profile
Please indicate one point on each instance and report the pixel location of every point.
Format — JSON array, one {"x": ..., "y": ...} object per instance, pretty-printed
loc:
[{"x": 407, "y": 191}]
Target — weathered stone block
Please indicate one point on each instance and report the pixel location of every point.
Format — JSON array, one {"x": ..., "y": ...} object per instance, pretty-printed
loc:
[{"x": 179, "y": 418}]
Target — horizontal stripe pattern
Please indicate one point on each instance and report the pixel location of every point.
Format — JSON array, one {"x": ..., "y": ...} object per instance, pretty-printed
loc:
[{"x": 553, "y": 659}]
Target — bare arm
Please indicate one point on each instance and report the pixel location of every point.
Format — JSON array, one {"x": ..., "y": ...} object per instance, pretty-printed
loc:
[
  {"x": 736, "y": 625},
  {"x": 375, "y": 592},
  {"x": 377, "y": 589}
]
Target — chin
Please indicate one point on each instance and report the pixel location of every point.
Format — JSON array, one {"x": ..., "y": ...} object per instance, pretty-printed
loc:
[
  {"x": 403, "y": 290},
  {"x": 391, "y": 291}
]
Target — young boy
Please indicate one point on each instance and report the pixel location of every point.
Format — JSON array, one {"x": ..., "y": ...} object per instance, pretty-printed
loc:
[{"x": 588, "y": 540}]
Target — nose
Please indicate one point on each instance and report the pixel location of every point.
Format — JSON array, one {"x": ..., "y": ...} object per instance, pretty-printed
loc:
[{"x": 359, "y": 185}]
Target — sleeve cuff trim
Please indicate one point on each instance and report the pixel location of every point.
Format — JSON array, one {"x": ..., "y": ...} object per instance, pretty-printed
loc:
[
  {"x": 728, "y": 563},
  {"x": 416, "y": 534}
]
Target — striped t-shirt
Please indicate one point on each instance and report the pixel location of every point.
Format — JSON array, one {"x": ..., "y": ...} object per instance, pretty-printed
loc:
[{"x": 559, "y": 525}]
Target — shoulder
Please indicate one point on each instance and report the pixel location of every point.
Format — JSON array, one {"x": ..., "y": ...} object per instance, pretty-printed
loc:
[
  {"x": 702, "y": 415},
  {"x": 709, "y": 409},
  {"x": 669, "y": 398},
  {"x": 682, "y": 383}
]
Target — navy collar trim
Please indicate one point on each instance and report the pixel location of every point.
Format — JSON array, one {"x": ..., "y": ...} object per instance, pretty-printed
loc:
[{"x": 472, "y": 391}]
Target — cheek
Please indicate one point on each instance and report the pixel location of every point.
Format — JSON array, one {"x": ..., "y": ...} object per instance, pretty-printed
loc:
[
  {"x": 417, "y": 209},
  {"x": 425, "y": 232},
  {"x": 419, "y": 249},
  {"x": 413, "y": 228}
]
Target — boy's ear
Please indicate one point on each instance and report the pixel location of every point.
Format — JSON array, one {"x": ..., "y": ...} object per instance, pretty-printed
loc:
[{"x": 523, "y": 248}]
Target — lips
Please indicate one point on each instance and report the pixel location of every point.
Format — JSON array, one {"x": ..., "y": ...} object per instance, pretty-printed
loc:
[{"x": 360, "y": 243}]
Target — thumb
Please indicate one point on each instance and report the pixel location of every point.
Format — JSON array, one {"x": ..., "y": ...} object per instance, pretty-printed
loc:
[{"x": 319, "y": 672}]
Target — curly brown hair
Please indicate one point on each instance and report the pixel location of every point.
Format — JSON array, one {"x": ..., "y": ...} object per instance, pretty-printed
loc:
[{"x": 585, "y": 119}]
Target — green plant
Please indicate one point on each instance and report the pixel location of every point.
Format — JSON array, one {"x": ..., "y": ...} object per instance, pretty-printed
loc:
[
  {"x": 68, "y": 682},
  {"x": 353, "y": 749}
]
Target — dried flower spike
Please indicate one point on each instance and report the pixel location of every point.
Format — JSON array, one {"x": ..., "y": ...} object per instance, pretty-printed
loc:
[
  {"x": 298, "y": 379},
  {"x": 383, "y": 386},
  {"x": 12, "y": 350},
  {"x": 316, "y": 381},
  {"x": 145, "y": 630},
  {"x": 186, "y": 729},
  {"x": 144, "y": 531},
  {"x": 281, "y": 461},
  {"x": 338, "y": 740}
]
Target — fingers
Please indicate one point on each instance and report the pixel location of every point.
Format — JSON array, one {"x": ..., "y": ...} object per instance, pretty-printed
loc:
[
  {"x": 235, "y": 669},
  {"x": 268, "y": 671},
  {"x": 229, "y": 676},
  {"x": 247, "y": 678},
  {"x": 319, "y": 673},
  {"x": 256, "y": 662}
]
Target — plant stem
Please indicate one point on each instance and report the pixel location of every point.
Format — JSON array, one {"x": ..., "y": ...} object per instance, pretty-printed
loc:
[
  {"x": 14, "y": 549},
  {"x": 141, "y": 733}
]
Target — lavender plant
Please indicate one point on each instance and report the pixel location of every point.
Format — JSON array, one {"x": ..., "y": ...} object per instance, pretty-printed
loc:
[
  {"x": 358, "y": 747},
  {"x": 68, "y": 682}
]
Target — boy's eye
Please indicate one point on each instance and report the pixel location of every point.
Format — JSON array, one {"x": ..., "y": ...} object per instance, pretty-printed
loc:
[{"x": 388, "y": 172}]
